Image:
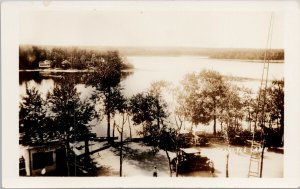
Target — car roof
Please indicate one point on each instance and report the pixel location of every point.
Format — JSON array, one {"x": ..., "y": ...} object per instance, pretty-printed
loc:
[{"x": 190, "y": 150}]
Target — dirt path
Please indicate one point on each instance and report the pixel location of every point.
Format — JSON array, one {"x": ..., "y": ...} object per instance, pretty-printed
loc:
[{"x": 139, "y": 161}]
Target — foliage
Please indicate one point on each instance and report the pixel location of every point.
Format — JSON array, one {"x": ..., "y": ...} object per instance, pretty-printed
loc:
[
  {"x": 106, "y": 79},
  {"x": 232, "y": 109},
  {"x": 79, "y": 58},
  {"x": 276, "y": 92},
  {"x": 150, "y": 111},
  {"x": 122, "y": 110},
  {"x": 274, "y": 113},
  {"x": 62, "y": 115},
  {"x": 204, "y": 93},
  {"x": 33, "y": 122},
  {"x": 71, "y": 114},
  {"x": 248, "y": 103}
]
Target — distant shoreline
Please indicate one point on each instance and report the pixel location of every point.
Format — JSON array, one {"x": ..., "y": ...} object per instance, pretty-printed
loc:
[
  {"x": 65, "y": 71},
  {"x": 253, "y": 61},
  {"x": 207, "y": 57},
  {"x": 56, "y": 70},
  {"x": 126, "y": 70}
]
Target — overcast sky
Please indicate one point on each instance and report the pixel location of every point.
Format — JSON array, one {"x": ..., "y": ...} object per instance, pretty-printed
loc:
[{"x": 151, "y": 28}]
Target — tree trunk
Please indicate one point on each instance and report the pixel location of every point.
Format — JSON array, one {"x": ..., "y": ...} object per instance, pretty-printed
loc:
[
  {"x": 262, "y": 160},
  {"x": 177, "y": 163},
  {"x": 108, "y": 108},
  {"x": 157, "y": 113},
  {"x": 169, "y": 160},
  {"x": 235, "y": 125},
  {"x": 221, "y": 126},
  {"x": 130, "y": 134},
  {"x": 121, "y": 153},
  {"x": 249, "y": 118},
  {"x": 215, "y": 125},
  {"x": 68, "y": 149},
  {"x": 215, "y": 119},
  {"x": 108, "y": 127},
  {"x": 281, "y": 121},
  {"x": 113, "y": 134}
]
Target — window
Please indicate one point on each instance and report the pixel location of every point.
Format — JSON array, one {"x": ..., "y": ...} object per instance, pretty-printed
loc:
[{"x": 42, "y": 159}]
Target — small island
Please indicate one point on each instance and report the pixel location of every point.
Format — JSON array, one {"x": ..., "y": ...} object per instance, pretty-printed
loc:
[{"x": 66, "y": 59}]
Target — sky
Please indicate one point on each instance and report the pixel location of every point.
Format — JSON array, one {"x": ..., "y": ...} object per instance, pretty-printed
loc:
[{"x": 219, "y": 29}]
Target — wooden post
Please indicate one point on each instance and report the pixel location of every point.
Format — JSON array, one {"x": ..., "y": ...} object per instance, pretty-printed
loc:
[
  {"x": 227, "y": 157},
  {"x": 121, "y": 153}
]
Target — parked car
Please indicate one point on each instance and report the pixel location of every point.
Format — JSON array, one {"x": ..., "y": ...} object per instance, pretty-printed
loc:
[{"x": 190, "y": 159}]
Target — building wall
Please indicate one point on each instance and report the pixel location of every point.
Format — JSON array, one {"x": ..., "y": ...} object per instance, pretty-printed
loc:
[
  {"x": 49, "y": 168},
  {"x": 37, "y": 153}
]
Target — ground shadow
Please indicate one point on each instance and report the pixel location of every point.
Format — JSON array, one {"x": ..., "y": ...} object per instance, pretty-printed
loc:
[{"x": 145, "y": 160}]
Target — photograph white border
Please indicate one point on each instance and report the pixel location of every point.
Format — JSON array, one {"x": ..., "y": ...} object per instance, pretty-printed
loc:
[{"x": 10, "y": 94}]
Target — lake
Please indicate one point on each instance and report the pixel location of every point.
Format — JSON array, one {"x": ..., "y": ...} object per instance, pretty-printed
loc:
[{"x": 172, "y": 69}]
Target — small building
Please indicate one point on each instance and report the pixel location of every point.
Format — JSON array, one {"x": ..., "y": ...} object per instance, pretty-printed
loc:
[
  {"x": 65, "y": 64},
  {"x": 43, "y": 160},
  {"x": 45, "y": 64}
]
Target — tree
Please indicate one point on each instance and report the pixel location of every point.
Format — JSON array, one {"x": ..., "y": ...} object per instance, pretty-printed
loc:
[
  {"x": 57, "y": 57},
  {"x": 30, "y": 56},
  {"x": 232, "y": 112},
  {"x": 203, "y": 99},
  {"x": 71, "y": 115},
  {"x": 123, "y": 112},
  {"x": 149, "y": 109},
  {"x": 168, "y": 141},
  {"x": 274, "y": 112},
  {"x": 146, "y": 110},
  {"x": 33, "y": 122},
  {"x": 106, "y": 79},
  {"x": 277, "y": 97},
  {"x": 248, "y": 105}
]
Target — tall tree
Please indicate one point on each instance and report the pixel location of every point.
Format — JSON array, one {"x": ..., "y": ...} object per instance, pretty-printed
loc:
[
  {"x": 32, "y": 117},
  {"x": 274, "y": 112},
  {"x": 71, "y": 114},
  {"x": 205, "y": 92},
  {"x": 248, "y": 103},
  {"x": 123, "y": 113},
  {"x": 106, "y": 79},
  {"x": 150, "y": 111},
  {"x": 277, "y": 97},
  {"x": 232, "y": 112}
]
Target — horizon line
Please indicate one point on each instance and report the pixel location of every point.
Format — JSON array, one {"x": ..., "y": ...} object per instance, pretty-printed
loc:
[{"x": 145, "y": 47}]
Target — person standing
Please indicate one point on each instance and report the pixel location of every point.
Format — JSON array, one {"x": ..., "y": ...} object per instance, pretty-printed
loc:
[
  {"x": 155, "y": 171},
  {"x": 212, "y": 167}
]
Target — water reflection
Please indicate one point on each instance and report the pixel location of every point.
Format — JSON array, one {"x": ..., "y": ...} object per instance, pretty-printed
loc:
[
  {"x": 172, "y": 69},
  {"x": 45, "y": 80}
]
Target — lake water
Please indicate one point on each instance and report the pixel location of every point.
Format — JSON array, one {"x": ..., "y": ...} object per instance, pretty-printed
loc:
[{"x": 172, "y": 69}]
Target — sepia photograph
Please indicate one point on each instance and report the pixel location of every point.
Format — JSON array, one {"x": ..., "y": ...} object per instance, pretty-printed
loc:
[{"x": 150, "y": 92}]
